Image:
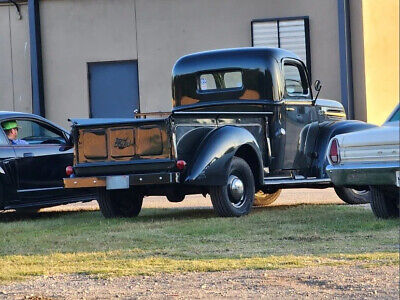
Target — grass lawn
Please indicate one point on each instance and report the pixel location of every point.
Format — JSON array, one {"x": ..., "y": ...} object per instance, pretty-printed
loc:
[{"x": 175, "y": 240}]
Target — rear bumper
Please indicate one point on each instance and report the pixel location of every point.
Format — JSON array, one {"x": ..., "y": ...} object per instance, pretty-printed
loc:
[
  {"x": 124, "y": 167},
  {"x": 365, "y": 174},
  {"x": 121, "y": 181}
]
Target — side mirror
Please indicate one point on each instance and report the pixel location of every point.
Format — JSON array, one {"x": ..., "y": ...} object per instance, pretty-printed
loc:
[{"x": 317, "y": 87}]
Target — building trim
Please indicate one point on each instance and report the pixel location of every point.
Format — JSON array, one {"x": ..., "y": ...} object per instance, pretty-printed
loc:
[
  {"x": 38, "y": 105},
  {"x": 346, "y": 69}
]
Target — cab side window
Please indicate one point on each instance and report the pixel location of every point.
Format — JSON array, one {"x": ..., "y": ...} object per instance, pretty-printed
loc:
[
  {"x": 3, "y": 139},
  {"x": 296, "y": 84}
]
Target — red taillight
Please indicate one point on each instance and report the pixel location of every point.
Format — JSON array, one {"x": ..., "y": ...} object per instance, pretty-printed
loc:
[
  {"x": 181, "y": 164},
  {"x": 69, "y": 170},
  {"x": 334, "y": 152}
]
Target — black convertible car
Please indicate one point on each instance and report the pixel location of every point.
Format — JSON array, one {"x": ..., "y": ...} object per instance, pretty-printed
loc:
[{"x": 31, "y": 174}]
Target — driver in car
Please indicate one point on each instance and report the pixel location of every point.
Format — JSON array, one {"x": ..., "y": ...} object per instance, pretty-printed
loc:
[{"x": 11, "y": 130}]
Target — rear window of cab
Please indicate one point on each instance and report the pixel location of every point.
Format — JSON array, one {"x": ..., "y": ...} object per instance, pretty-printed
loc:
[{"x": 220, "y": 80}]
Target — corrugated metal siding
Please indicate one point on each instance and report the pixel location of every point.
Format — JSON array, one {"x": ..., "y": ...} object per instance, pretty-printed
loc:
[
  {"x": 265, "y": 34},
  {"x": 293, "y": 37}
]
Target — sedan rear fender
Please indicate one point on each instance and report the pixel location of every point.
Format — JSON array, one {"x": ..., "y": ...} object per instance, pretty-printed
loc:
[
  {"x": 211, "y": 161},
  {"x": 328, "y": 130}
]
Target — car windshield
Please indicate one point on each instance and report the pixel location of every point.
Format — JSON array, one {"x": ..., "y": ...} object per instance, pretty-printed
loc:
[{"x": 395, "y": 115}]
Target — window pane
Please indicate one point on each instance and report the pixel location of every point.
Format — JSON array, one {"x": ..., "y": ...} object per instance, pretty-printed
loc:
[
  {"x": 265, "y": 34},
  {"x": 233, "y": 80},
  {"x": 294, "y": 83},
  {"x": 35, "y": 133},
  {"x": 221, "y": 80},
  {"x": 3, "y": 139},
  {"x": 207, "y": 82},
  {"x": 293, "y": 37}
]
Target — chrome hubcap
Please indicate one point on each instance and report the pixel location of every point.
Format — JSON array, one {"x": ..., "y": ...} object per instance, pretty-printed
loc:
[{"x": 235, "y": 189}]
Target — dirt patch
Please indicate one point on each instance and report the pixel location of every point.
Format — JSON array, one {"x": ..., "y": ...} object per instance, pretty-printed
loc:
[
  {"x": 320, "y": 282},
  {"x": 287, "y": 197}
]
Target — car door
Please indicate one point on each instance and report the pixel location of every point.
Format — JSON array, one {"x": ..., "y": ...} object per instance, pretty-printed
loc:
[
  {"x": 299, "y": 112},
  {"x": 40, "y": 164},
  {"x": 8, "y": 182}
]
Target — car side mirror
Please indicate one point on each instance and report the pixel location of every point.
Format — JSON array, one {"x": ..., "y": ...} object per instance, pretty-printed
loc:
[{"x": 317, "y": 87}]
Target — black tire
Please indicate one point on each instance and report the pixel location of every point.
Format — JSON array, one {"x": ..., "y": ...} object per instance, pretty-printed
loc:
[
  {"x": 384, "y": 204},
  {"x": 175, "y": 197},
  {"x": 232, "y": 202},
  {"x": 119, "y": 203},
  {"x": 352, "y": 196}
]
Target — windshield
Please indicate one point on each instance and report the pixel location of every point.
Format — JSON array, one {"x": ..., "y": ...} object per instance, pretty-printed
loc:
[{"x": 395, "y": 116}]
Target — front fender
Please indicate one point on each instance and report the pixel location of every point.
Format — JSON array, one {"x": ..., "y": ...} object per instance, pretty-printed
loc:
[
  {"x": 213, "y": 157},
  {"x": 327, "y": 131}
]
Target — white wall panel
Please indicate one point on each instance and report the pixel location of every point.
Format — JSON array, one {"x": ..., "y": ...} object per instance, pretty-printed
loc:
[
  {"x": 15, "y": 76},
  {"x": 21, "y": 60},
  {"x": 73, "y": 34},
  {"x": 6, "y": 82}
]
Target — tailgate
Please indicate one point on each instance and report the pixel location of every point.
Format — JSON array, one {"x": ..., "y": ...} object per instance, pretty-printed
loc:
[{"x": 121, "y": 146}]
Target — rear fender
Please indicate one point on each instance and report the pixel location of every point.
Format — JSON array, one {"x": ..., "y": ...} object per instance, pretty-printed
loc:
[
  {"x": 328, "y": 130},
  {"x": 212, "y": 159}
]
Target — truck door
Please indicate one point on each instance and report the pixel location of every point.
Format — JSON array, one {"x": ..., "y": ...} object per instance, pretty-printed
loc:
[{"x": 299, "y": 112}]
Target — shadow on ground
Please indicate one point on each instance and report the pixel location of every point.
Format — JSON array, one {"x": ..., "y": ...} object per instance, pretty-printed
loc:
[{"x": 146, "y": 215}]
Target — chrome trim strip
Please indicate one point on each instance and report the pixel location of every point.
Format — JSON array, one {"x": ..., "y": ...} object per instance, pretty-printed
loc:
[
  {"x": 173, "y": 142},
  {"x": 298, "y": 102},
  {"x": 295, "y": 182},
  {"x": 39, "y": 190}
]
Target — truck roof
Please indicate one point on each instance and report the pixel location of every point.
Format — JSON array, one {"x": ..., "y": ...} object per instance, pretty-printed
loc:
[
  {"x": 228, "y": 58},
  {"x": 259, "y": 67}
]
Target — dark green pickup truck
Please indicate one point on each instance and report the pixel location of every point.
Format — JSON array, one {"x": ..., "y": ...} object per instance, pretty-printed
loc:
[{"x": 244, "y": 123}]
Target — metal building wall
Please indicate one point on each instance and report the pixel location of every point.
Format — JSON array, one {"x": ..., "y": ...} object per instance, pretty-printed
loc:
[
  {"x": 15, "y": 76},
  {"x": 75, "y": 33}
]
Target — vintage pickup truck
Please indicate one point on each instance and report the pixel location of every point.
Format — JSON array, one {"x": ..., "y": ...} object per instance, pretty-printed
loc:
[{"x": 243, "y": 120}]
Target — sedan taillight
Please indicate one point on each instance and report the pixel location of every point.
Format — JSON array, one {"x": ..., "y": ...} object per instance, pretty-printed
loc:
[{"x": 334, "y": 152}]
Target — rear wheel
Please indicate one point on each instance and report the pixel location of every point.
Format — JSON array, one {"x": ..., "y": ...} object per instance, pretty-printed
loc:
[
  {"x": 353, "y": 196},
  {"x": 119, "y": 203},
  {"x": 384, "y": 203},
  {"x": 236, "y": 197},
  {"x": 262, "y": 199}
]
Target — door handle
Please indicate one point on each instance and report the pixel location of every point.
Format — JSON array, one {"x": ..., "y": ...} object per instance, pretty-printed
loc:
[
  {"x": 28, "y": 154},
  {"x": 280, "y": 132},
  {"x": 289, "y": 108}
]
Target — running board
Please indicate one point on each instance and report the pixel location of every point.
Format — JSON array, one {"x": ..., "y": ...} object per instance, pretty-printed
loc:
[{"x": 298, "y": 182}]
